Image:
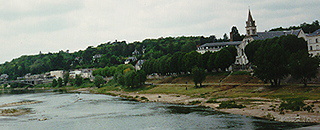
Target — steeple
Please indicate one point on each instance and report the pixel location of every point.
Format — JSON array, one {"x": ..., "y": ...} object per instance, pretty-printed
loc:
[{"x": 251, "y": 27}]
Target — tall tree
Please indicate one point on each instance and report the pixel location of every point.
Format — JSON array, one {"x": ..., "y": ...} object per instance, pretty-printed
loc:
[
  {"x": 98, "y": 81},
  {"x": 303, "y": 66},
  {"x": 60, "y": 82},
  {"x": 78, "y": 80},
  {"x": 271, "y": 63},
  {"x": 66, "y": 78},
  {"x": 223, "y": 59},
  {"x": 199, "y": 75}
]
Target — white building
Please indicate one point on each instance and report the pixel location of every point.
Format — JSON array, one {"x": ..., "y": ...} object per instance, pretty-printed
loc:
[
  {"x": 84, "y": 73},
  {"x": 214, "y": 47},
  {"x": 57, "y": 73},
  {"x": 313, "y": 40}
]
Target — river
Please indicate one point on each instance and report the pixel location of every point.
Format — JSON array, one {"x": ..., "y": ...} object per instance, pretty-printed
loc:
[{"x": 94, "y": 111}]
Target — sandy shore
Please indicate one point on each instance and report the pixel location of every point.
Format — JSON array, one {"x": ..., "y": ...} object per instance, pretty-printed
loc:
[{"x": 255, "y": 107}]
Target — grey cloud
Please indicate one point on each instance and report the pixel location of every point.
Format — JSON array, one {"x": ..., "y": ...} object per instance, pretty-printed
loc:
[{"x": 39, "y": 10}]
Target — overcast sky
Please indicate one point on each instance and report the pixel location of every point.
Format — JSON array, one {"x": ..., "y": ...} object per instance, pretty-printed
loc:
[{"x": 30, "y": 26}]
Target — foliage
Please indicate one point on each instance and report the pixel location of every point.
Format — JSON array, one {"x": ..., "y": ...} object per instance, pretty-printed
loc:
[
  {"x": 303, "y": 66},
  {"x": 78, "y": 80},
  {"x": 106, "y": 54},
  {"x": 199, "y": 75},
  {"x": 271, "y": 57},
  {"x": 294, "y": 104},
  {"x": 60, "y": 82},
  {"x": 224, "y": 59},
  {"x": 66, "y": 78},
  {"x": 98, "y": 81},
  {"x": 54, "y": 83},
  {"x": 230, "y": 104},
  {"x": 307, "y": 28}
]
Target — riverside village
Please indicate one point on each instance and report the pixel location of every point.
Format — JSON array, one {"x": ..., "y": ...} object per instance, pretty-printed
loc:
[{"x": 270, "y": 77}]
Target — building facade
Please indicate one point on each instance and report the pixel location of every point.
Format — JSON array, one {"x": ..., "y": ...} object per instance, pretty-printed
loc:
[{"x": 313, "y": 40}]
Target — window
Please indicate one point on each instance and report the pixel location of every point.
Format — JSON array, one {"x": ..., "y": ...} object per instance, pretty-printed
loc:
[
  {"x": 317, "y": 40},
  {"x": 310, "y": 48}
]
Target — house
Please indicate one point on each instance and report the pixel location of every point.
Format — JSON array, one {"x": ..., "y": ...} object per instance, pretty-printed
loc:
[
  {"x": 57, "y": 73},
  {"x": 313, "y": 40},
  {"x": 84, "y": 73},
  {"x": 214, "y": 47},
  {"x": 252, "y": 34}
]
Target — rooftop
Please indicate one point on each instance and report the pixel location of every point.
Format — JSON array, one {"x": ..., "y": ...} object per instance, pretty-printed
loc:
[
  {"x": 272, "y": 34},
  {"x": 315, "y": 33},
  {"x": 221, "y": 44}
]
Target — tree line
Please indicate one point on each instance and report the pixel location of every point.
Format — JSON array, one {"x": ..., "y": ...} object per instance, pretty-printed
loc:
[
  {"x": 107, "y": 54},
  {"x": 181, "y": 62},
  {"x": 306, "y": 27},
  {"x": 274, "y": 59}
]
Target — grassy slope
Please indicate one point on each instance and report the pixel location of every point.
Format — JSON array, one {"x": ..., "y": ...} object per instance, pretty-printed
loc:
[{"x": 246, "y": 86}]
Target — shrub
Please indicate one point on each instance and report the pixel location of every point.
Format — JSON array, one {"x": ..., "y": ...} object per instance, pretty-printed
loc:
[
  {"x": 292, "y": 104},
  {"x": 230, "y": 104}
]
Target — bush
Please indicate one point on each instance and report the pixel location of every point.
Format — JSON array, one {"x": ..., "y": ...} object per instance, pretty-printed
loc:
[
  {"x": 230, "y": 104},
  {"x": 294, "y": 104}
]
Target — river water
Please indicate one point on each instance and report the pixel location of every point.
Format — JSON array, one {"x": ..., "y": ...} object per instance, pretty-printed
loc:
[{"x": 94, "y": 111}]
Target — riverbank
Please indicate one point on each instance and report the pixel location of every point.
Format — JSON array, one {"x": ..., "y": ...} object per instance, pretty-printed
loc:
[
  {"x": 261, "y": 101},
  {"x": 255, "y": 106}
]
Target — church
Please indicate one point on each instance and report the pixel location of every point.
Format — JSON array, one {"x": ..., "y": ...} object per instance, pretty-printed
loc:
[
  {"x": 313, "y": 40},
  {"x": 252, "y": 34}
]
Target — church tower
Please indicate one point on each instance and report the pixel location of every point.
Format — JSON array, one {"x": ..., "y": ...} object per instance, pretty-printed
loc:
[{"x": 251, "y": 27}]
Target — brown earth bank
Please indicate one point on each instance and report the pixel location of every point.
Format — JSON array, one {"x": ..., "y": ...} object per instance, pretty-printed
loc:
[
  {"x": 260, "y": 100},
  {"x": 255, "y": 106}
]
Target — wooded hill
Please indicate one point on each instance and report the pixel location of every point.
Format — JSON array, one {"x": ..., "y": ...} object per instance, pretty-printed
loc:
[{"x": 106, "y": 54}]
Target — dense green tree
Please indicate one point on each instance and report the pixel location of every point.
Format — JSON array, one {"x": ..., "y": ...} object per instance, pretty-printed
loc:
[
  {"x": 66, "y": 77},
  {"x": 307, "y": 28},
  {"x": 98, "y": 81},
  {"x": 177, "y": 62},
  {"x": 54, "y": 83},
  {"x": 78, "y": 80},
  {"x": 204, "y": 60},
  {"x": 271, "y": 63},
  {"x": 199, "y": 75},
  {"x": 303, "y": 66},
  {"x": 223, "y": 59},
  {"x": 60, "y": 82},
  {"x": 211, "y": 62},
  {"x": 292, "y": 43},
  {"x": 191, "y": 60},
  {"x": 225, "y": 37},
  {"x": 252, "y": 48},
  {"x": 233, "y": 52}
]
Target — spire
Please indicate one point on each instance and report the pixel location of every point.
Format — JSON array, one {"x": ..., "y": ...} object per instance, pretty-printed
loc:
[
  {"x": 249, "y": 16},
  {"x": 250, "y": 22},
  {"x": 250, "y": 25}
]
